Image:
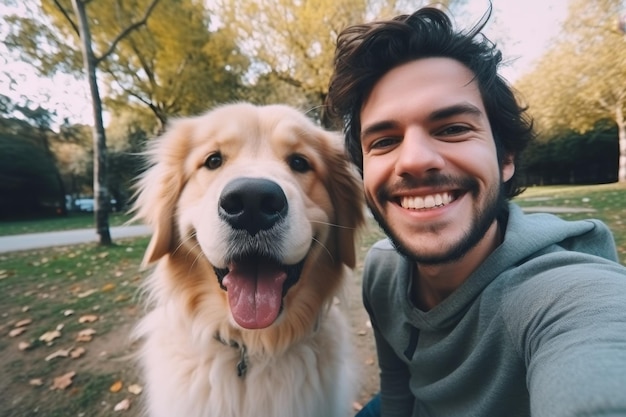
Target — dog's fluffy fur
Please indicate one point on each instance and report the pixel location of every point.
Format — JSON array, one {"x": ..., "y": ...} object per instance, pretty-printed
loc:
[{"x": 205, "y": 352}]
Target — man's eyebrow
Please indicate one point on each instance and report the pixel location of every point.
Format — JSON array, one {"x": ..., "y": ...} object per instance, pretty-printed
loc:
[
  {"x": 454, "y": 110},
  {"x": 439, "y": 114},
  {"x": 378, "y": 127}
]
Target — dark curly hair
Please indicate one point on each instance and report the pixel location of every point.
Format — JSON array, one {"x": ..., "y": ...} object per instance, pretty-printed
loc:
[{"x": 366, "y": 52}]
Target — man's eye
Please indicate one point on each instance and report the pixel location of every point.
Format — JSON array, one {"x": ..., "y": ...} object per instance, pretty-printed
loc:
[
  {"x": 454, "y": 130},
  {"x": 383, "y": 143}
]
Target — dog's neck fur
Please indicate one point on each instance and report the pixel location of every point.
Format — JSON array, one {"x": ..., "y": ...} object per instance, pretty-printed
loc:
[{"x": 244, "y": 359}]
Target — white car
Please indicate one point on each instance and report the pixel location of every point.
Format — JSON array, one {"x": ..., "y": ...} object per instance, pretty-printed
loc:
[{"x": 88, "y": 204}]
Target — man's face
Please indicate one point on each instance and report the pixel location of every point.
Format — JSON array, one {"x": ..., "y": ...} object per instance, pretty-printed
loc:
[{"x": 430, "y": 168}]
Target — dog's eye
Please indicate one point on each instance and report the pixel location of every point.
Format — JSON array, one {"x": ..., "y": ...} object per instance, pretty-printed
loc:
[
  {"x": 298, "y": 163},
  {"x": 213, "y": 161}
]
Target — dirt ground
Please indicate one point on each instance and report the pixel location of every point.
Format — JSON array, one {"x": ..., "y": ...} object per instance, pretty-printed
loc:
[{"x": 109, "y": 360}]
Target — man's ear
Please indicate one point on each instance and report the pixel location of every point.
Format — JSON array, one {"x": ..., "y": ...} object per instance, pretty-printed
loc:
[{"x": 508, "y": 168}]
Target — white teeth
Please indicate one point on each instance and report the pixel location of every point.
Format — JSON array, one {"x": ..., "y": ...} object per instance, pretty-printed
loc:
[{"x": 429, "y": 201}]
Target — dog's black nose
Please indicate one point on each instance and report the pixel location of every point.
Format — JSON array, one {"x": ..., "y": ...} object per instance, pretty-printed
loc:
[{"x": 252, "y": 204}]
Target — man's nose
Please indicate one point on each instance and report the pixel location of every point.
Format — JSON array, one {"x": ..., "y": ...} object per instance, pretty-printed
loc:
[{"x": 419, "y": 153}]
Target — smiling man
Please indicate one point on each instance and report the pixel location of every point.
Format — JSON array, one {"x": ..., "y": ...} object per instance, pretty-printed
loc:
[{"x": 477, "y": 308}]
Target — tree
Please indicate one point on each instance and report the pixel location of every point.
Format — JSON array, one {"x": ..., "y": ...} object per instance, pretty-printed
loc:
[
  {"x": 296, "y": 44},
  {"x": 74, "y": 27},
  {"x": 25, "y": 128},
  {"x": 128, "y": 133},
  {"x": 582, "y": 78},
  {"x": 28, "y": 179},
  {"x": 73, "y": 151},
  {"x": 30, "y": 182},
  {"x": 177, "y": 64},
  {"x": 91, "y": 62}
]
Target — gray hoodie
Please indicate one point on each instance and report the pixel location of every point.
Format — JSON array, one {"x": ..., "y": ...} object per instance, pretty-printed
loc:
[{"x": 539, "y": 329}]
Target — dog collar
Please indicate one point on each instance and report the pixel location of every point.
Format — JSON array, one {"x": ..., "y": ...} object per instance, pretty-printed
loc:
[{"x": 242, "y": 365}]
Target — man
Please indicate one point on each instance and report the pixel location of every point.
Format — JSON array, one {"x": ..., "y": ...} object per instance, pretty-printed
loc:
[{"x": 477, "y": 308}]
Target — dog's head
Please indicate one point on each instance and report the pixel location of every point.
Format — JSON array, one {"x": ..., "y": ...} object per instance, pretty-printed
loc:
[{"x": 263, "y": 195}]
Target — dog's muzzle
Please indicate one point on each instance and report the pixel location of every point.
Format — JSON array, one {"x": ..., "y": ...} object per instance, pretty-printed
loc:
[
  {"x": 252, "y": 204},
  {"x": 255, "y": 278}
]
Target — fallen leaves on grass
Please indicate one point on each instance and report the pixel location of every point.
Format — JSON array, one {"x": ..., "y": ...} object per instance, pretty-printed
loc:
[
  {"x": 122, "y": 405},
  {"x": 23, "y": 323},
  {"x": 61, "y": 353},
  {"x": 135, "y": 389},
  {"x": 85, "y": 335},
  {"x": 77, "y": 352},
  {"x": 48, "y": 337},
  {"x": 63, "y": 381},
  {"x": 88, "y": 318},
  {"x": 116, "y": 387},
  {"x": 19, "y": 327},
  {"x": 87, "y": 293},
  {"x": 36, "y": 382},
  {"x": 72, "y": 352},
  {"x": 17, "y": 332}
]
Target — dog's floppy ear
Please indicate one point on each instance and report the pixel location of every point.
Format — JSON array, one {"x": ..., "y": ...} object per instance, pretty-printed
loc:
[
  {"x": 159, "y": 187},
  {"x": 346, "y": 193}
]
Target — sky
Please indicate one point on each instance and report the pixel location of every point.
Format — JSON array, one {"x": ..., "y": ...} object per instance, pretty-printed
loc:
[{"x": 522, "y": 29}]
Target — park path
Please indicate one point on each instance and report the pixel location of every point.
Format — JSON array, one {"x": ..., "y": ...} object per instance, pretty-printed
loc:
[{"x": 30, "y": 241}]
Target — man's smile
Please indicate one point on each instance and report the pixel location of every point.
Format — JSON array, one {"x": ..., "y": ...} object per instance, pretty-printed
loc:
[{"x": 427, "y": 201}]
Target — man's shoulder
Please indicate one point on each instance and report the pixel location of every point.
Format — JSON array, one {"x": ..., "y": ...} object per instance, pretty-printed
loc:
[
  {"x": 383, "y": 245},
  {"x": 382, "y": 254},
  {"x": 383, "y": 264}
]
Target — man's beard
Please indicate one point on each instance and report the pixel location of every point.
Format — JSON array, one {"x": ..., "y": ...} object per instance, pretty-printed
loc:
[{"x": 495, "y": 205}]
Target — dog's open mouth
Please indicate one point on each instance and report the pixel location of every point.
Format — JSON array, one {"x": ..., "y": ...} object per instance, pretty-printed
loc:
[{"x": 256, "y": 287}]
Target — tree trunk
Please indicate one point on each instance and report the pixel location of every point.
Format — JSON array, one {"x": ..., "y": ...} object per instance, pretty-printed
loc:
[{"x": 101, "y": 195}]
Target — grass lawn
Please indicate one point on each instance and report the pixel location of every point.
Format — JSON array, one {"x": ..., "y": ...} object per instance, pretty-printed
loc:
[
  {"x": 62, "y": 293},
  {"x": 50, "y": 224},
  {"x": 606, "y": 202}
]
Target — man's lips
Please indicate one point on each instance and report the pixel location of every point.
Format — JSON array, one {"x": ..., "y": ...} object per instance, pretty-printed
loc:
[{"x": 427, "y": 201}]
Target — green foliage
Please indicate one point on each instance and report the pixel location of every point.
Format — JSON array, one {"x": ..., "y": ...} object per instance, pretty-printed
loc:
[
  {"x": 28, "y": 178},
  {"x": 46, "y": 45},
  {"x": 582, "y": 78},
  {"x": 574, "y": 158},
  {"x": 297, "y": 41},
  {"x": 175, "y": 65}
]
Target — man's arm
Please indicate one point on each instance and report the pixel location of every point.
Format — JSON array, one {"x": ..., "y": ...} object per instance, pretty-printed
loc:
[{"x": 574, "y": 342}]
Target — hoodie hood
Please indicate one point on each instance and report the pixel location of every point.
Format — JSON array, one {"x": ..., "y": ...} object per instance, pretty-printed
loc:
[{"x": 527, "y": 236}]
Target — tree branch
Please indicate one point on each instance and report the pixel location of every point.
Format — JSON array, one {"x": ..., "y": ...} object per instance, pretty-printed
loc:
[
  {"x": 128, "y": 30},
  {"x": 67, "y": 17}
]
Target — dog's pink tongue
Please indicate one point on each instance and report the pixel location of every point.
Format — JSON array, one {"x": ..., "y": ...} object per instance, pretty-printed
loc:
[{"x": 255, "y": 293}]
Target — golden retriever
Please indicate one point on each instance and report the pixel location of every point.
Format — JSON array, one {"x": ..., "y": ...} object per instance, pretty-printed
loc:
[{"x": 254, "y": 211}]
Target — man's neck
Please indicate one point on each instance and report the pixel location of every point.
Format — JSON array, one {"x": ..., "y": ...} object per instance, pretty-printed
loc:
[{"x": 435, "y": 282}]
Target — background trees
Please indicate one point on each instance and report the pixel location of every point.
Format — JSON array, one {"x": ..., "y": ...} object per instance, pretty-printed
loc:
[
  {"x": 73, "y": 24},
  {"x": 190, "y": 55},
  {"x": 178, "y": 64},
  {"x": 30, "y": 183},
  {"x": 291, "y": 44},
  {"x": 582, "y": 78}
]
